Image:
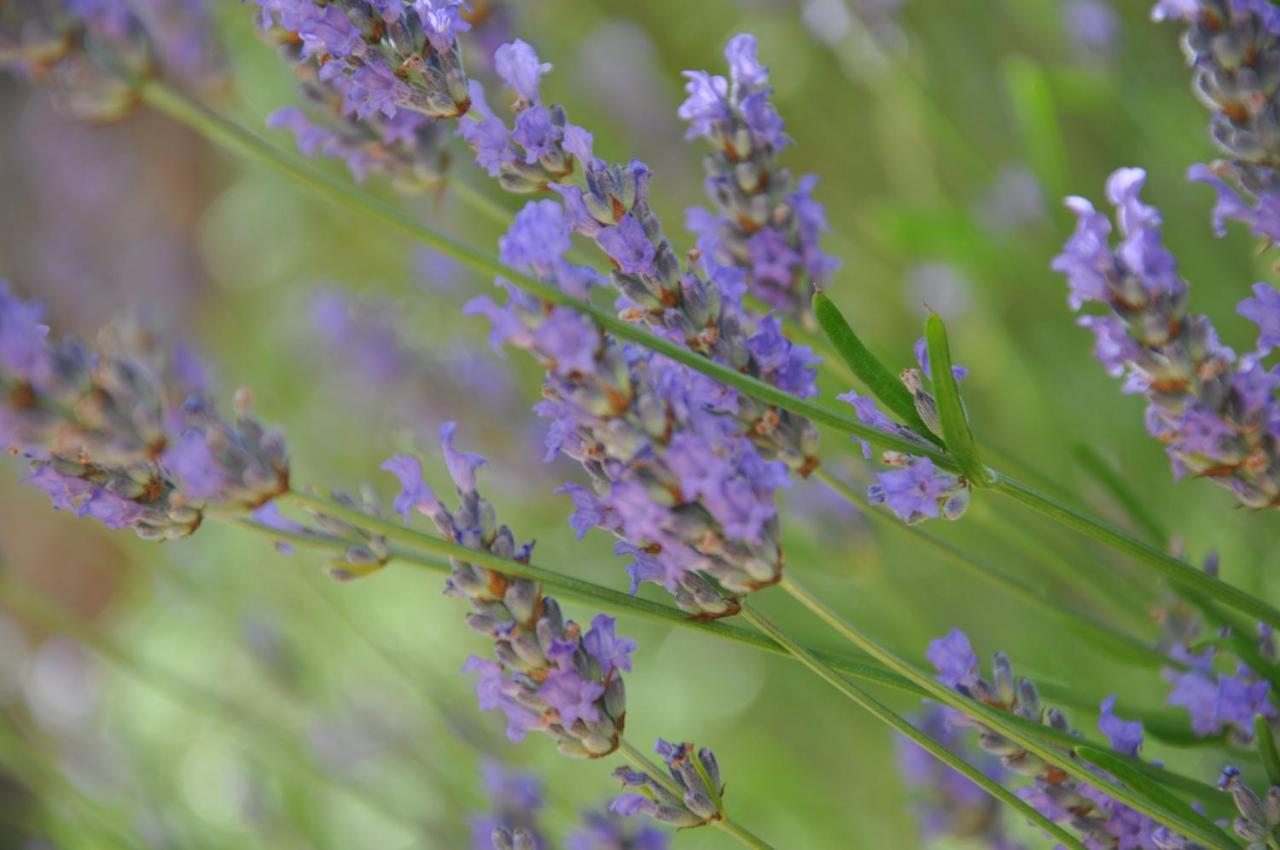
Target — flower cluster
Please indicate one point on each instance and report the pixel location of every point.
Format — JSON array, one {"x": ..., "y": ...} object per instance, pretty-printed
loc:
[
  {"x": 1216, "y": 413},
  {"x": 88, "y": 51},
  {"x": 125, "y": 432},
  {"x": 512, "y": 821},
  {"x": 378, "y": 76},
  {"x": 546, "y": 675},
  {"x": 914, "y": 488},
  {"x": 1259, "y": 821},
  {"x": 538, "y": 152},
  {"x": 673, "y": 475},
  {"x": 1102, "y": 822},
  {"x": 1233, "y": 47},
  {"x": 950, "y": 804},
  {"x": 1215, "y": 700},
  {"x": 764, "y": 224},
  {"x": 691, "y": 795}
]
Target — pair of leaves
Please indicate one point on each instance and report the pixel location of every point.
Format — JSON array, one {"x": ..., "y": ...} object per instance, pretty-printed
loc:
[{"x": 891, "y": 392}]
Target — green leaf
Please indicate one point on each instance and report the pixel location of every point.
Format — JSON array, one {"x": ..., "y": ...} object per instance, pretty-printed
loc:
[
  {"x": 1266, "y": 744},
  {"x": 955, "y": 423},
  {"x": 1140, "y": 783},
  {"x": 875, "y": 376}
]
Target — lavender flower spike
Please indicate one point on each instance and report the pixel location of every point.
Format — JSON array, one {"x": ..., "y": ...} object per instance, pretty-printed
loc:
[
  {"x": 765, "y": 223},
  {"x": 673, "y": 477},
  {"x": 1101, "y": 822},
  {"x": 1216, "y": 413},
  {"x": 696, "y": 775},
  {"x": 914, "y": 488},
  {"x": 1233, "y": 47},
  {"x": 80, "y": 49},
  {"x": 515, "y": 801},
  {"x": 1259, "y": 821},
  {"x": 546, "y": 674},
  {"x": 950, "y": 804},
  {"x": 125, "y": 432}
]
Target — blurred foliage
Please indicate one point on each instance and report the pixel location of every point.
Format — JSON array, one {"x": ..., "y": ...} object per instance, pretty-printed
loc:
[{"x": 213, "y": 693}]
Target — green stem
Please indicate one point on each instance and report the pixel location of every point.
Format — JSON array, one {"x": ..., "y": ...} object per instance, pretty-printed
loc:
[
  {"x": 644, "y": 763},
  {"x": 1182, "y": 574},
  {"x": 995, "y": 719},
  {"x": 887, "y": 715},
  {"x": 1120, "y": 646}
]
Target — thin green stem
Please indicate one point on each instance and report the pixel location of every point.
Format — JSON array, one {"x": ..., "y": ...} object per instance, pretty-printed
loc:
[
  {"x": 644, "y": 763},
  {"x": 997, "y": 720},
  {"x": 1182, "y": 574},
  {"x": 1120, "y": 646},
  {"x": 899, "y": 723}
]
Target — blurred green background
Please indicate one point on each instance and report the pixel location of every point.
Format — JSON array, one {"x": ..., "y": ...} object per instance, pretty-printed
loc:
[{"x": 213, "y": 693}]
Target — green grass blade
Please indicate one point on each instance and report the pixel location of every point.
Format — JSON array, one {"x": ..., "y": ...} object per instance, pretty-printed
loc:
[{"x": 1265, "y": 741}]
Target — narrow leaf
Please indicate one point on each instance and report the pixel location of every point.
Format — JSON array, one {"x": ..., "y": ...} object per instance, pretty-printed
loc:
[
  {"x": 955, "y": 423},
  {"x": 1266, "y": 744},
  {"x": 874, "y": 375},
  {"x": 1139, "y": 783}
]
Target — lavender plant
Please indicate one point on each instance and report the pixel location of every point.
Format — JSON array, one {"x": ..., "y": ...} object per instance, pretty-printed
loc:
[
  {"x": 687, "y": 411},
  {"x": 89, "y": 51},
  {"x": 1216, "y": 412},
  {"x": 1233, "y": 48},
  {"x": 1102, "y": 822},
  {"x": 765, "y": 223}
]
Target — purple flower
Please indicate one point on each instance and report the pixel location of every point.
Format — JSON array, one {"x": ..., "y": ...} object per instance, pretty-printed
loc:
[
  {"x": 1125, "y": 735},
  {"x": 415, "y": 494},
  {"x": 914, "y": 492},
  {"x": 629, "y": 805},
  {"x": 570, "y": 340},
  {"x": 442, "y": 20},
  {"x": 1264, "y": 311},
  {"x": 612, "y": 832},
  {"x": 492, "y": 692},
  {"x": 954, "y": 659},
  {"x": 744, "y": 67},
  {"x": 706, "y": 103},
  {"x": 921, "y": 350},
  {"x": 486, "y": 134},
  {"x": 196, "y": 467},
  {"x": 571, "y": 696},
  {"x": 518, "y": 65},
  {"x": 536, "y": 133},
  {"x": 374, "y": 89},
  {"x": 772, "y": 258},
  {"x": 628, "y": 245},
  {"x": 1113, "y": 346},
  {"x": 24, "y": 346},
  {"x": 538, "y": 238},
  {"x": 603, "y": 644},
  {"x": 462, "y": 465}
]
